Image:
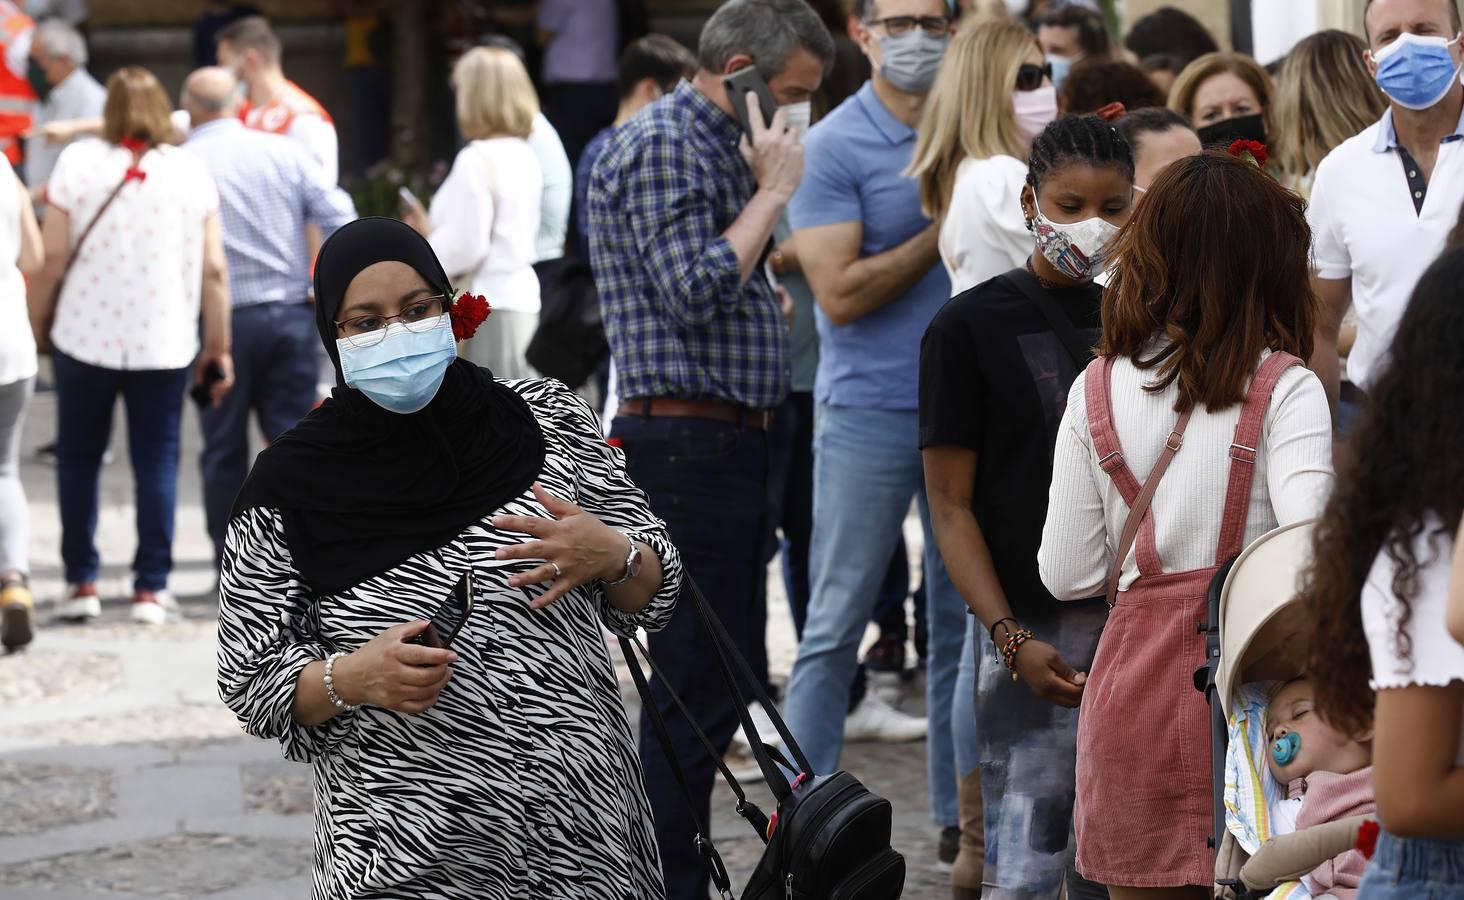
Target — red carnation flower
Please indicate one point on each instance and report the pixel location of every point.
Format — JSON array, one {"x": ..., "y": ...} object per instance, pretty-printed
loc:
[
  {"x": 1367, "y": 838},
  {"x": 1112, "y": 112},
  {"x": 1253, "y": 152},
  {"x": 468, "y": 312}
]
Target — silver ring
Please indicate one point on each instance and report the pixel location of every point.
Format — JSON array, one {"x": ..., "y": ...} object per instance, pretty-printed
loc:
[{"x": 558, "y": 572}]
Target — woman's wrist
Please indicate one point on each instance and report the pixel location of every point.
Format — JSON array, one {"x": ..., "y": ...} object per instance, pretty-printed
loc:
[
  {"x": 345, "y": 680},
  {"x": 618, "y": 547}
]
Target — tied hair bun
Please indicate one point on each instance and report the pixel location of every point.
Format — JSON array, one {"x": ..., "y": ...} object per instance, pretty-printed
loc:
[{"x": 1112, "y": 112}]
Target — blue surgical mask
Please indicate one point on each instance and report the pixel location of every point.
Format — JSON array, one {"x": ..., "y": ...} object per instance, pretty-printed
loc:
[
  {"x": 1061, "y": 66},
  {"x": 403, "y": 371},
  {"x": 1416, "y": 72},
  {"x": 911, "y": 60}
]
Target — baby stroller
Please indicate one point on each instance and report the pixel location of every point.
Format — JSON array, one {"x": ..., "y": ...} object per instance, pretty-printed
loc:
[{"x": 1255, "y": 635}]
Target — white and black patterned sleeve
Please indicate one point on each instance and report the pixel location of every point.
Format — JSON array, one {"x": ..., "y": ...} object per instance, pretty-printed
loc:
[
  {"x": 606, "y": 491},
  {"x": 263, "y": 645}
]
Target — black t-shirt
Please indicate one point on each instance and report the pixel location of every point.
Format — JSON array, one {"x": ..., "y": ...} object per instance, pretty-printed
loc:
[{"x": 994, "y": 378}]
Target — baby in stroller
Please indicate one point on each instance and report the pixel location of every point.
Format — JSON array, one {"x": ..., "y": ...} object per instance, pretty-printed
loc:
[
  {"x": 1292, "y": 793},
  {"x": 1328, "y": 777}
]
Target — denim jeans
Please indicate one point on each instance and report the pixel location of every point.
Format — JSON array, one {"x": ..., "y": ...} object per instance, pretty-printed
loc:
[
  {"x": 867, "y": 468},
  {"x": 963, "y": 704},
  {"x": 274, "y": 378},
  {"x": 1028, "y": 752},
  {"x": 1414, "y": 869},
  {"x": 708, "y": 481},
  {"x": 85, "y": 398}
]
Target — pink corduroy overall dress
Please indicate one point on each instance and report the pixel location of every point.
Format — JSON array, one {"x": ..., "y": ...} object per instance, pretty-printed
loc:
[{"x": 1143, "y": 812}]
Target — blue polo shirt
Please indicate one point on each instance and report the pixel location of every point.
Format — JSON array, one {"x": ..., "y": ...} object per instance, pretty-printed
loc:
[{"x": 853, "y": 172}]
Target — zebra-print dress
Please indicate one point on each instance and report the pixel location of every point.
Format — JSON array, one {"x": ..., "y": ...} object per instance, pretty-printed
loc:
[{"x": 523, "y": 781}]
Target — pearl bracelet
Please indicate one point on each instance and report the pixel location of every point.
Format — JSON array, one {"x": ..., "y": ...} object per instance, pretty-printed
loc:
[{"x": 330, "y": 690}]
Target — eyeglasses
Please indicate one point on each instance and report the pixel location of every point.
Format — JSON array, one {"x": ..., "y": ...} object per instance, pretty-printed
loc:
[
  {"x": 940, "y": 26},
  {"x": 368, "y": 331},
  {"x": 1030, "y": 76}
]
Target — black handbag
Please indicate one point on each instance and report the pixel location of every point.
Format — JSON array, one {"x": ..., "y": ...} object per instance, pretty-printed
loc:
[
  {"x": 569, "y": 343},
  {"x": 829, "y": 838}
]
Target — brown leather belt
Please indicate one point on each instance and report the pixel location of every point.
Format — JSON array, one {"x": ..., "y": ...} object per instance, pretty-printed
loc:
[{"x": 716, "y": 410}]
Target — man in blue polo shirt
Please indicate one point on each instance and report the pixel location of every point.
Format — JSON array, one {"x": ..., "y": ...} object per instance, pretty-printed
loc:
[{"x": 870, "y": 255}]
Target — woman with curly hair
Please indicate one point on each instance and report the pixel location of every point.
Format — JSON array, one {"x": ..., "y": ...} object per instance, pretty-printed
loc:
[
  {"x": 1381, "y": 658},
  {"x": 1205, "y": 322}
]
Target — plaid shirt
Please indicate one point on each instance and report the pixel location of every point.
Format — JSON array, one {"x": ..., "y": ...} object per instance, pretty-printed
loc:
[
  {"x": 667, "y": 185},
  {"x": 269, "y": 188}
]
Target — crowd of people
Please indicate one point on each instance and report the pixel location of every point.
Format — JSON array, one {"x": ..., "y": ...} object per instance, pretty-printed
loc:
[{"x": 1104, "y": 314}]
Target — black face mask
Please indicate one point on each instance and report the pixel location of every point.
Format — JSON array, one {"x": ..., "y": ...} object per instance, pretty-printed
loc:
[
  {"x": 1227, "y": 131},
  {"x": 37, "y": 78}
]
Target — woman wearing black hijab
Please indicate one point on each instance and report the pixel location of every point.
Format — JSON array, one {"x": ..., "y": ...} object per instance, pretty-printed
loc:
[{"x": 425, "y": 503}]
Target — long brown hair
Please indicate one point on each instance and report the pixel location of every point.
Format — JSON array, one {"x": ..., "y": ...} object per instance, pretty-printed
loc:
[
  {"x": 1216, "y": 263},
  {"x": 1403, "y": 477},
  {"x": 136, "y": 108}
]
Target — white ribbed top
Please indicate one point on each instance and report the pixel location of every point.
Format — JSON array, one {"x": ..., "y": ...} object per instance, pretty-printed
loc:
[{"x": 1086, "y": 512}]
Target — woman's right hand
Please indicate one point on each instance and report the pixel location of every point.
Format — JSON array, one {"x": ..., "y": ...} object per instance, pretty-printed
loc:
[
  {"x": 1048, "y": 675},
  {"x": 390, "y": 673}
]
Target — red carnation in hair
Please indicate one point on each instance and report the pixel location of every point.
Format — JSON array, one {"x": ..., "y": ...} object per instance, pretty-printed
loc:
[
  {"x": 1367, "y": 838},
  {"x": 1112, "y": 112},
  {"x": 468, "y": 312},
  {"x": 1253, "y": 152}
]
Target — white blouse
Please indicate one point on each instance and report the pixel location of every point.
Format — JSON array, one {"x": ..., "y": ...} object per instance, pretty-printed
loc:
[
  {"x": 984, "y": 232},
  {"x": 485, "y": 222},
  {"x": 131, "y": 300},
  {"x": 1435, "y": 658},
  {"x": 1086, "y": 512},
  {"x": 17, "y": 347}
]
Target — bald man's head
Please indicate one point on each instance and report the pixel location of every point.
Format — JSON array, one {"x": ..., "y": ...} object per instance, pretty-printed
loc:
[{"x": 208, "y": 94}]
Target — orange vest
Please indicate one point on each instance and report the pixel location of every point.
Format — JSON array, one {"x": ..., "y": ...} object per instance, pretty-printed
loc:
[
  {"x": 277, "y": 115},
  {"x": 17, "y": 100}
]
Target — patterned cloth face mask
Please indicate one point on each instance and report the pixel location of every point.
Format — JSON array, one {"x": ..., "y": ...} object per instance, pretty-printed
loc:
[{"x": 1076, "y": 250}]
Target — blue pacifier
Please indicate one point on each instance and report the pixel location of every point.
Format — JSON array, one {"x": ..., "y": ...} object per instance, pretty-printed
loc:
[{"x": 1285, "y": 748}]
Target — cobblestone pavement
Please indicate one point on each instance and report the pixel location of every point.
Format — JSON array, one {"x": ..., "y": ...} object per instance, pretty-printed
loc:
[{"x": 122, "y": 776}]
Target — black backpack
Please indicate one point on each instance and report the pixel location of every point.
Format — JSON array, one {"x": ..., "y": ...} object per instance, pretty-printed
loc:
[
  {"x": 569, "y": 343},
  {"x": 829, "y": 838}
]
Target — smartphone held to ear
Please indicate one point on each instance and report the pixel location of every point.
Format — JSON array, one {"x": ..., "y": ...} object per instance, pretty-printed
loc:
[{"x": 747, "y": 81}]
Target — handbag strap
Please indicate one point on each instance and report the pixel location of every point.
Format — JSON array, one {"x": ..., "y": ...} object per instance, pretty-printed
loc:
[
  {"x": 86, "y": 232},
  {"x": 1079, "y": 349},
  {"x": 1140, "y": 507}
]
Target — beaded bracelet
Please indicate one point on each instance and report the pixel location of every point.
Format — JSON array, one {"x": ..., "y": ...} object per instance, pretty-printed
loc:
[
  {"x": 1009, "y": 649},
  {"x": 992, "y": 630},
  {"x": 330, "y": 690}
]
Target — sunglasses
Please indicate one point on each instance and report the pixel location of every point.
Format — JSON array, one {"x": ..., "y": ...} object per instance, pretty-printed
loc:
[
  {"x": 1030, "y": 76},
  {"x": 448, "y": 620}
]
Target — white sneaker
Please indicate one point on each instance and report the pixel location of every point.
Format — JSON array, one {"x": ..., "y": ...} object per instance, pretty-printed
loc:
[
  {"x": 81, "y": 605},
  {"x": 874, "y": 720},
  {"x": 888, "y": 686},
  {"x": 765, "y": 729},
  {"x": 152, "y": 607}
]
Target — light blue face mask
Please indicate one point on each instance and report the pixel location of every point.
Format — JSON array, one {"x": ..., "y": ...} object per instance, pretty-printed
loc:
[
  {"x": 1416, "y": 72},
  {"x": 403, "y": 371},
  {"x": 1061, "y": 66}
]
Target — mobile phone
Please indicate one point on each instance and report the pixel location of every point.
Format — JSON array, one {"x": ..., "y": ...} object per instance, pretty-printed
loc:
[
  {"x": 408, "y": 199},
  {"x": 200, "y": 393},
  {"x": 743, "y": 82},
  {"x": 449, "y": 616}
]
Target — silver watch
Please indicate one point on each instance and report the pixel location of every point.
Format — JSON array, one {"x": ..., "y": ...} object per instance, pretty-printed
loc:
[{"x": 632, "y": 564}]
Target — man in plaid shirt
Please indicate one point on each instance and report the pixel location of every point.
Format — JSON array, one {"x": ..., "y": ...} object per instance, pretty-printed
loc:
[{"x": 682, "y": 210}]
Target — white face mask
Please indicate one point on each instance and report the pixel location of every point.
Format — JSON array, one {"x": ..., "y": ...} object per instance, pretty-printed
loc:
[
  {"x": 1077, "y": 250},
  {"x": 800, "y": 116}
]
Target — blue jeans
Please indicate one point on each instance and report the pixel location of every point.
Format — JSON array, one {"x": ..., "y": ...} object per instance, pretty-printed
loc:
[
  {"x": 85, "y": 398},
  {"x": 274, "y": 378},
  {"x": 963, "y": 704},
  {"x": 1414, "y": 869},
  {"x": 867, "y": 468},
  {"x": 708, "y": 482}
]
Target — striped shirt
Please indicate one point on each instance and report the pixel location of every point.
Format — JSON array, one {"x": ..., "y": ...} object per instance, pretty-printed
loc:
[
  {"x": 680, "y": 322},
  {"x": 269, "y": 188}
]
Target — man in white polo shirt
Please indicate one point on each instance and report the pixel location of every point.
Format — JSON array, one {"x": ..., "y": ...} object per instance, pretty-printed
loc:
[{"x": 1385, "y": 201}]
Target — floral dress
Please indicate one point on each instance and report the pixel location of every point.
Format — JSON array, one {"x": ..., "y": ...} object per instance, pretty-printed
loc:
[{"x": 523, "y": 780}]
